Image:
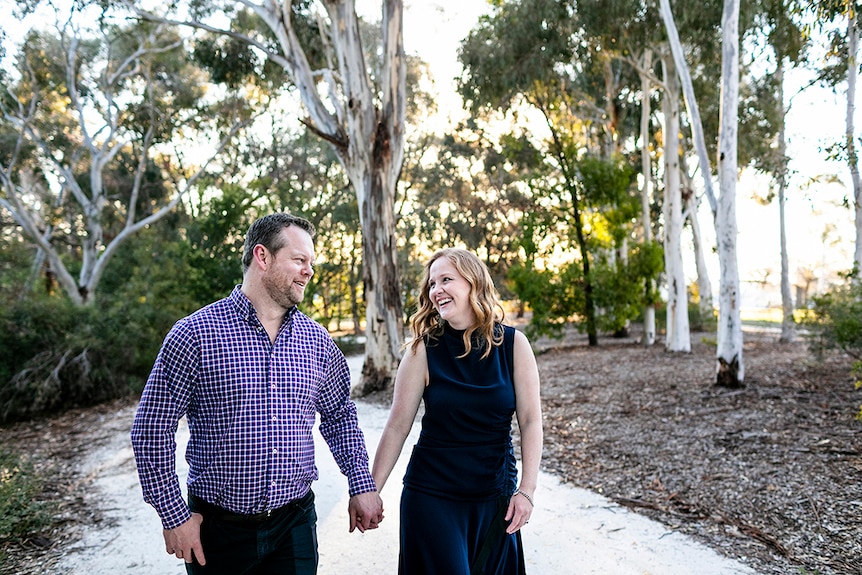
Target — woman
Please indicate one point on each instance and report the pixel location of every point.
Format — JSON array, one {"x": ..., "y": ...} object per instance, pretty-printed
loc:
[{"x": 461, "y": 507}]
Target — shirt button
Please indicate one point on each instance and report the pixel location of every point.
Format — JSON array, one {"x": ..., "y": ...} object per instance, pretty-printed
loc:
[
  {"x": 275, "y": 451},
  {"x": 274, "y": 419}
]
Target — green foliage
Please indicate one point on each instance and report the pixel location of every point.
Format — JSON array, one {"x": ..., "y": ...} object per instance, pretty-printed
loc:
[
  {"x": 23, "y": 512},
  {"x": 554, "y": 297},
  {"x": 512, "y": 49},
  {"x": 835, "y": 322},
  {"x": 229, "y": 60},
  {"x": 620, "y": 291},
  {"x": 618, "y": 295},
  {"x": 28, "y": 325},
  {"x": 214, "y": 240},
  {"x": 56, "y": 355},
  {"x": 607, "y": 183}
]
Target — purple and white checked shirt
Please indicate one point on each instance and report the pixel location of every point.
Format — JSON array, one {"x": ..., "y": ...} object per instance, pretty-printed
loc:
[{"x": 250, "y": 406}]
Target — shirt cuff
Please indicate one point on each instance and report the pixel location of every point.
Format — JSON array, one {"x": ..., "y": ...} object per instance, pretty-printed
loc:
[
  {"x": 361, "y": 482},
  {"x": 175, "y": 515}
]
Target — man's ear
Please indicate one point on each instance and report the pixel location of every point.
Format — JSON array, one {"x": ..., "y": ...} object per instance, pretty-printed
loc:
[{"x": 261, "y": 256}]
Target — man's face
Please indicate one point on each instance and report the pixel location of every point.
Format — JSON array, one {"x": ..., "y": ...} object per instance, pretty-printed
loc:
[{"x": 290, "y": 269}]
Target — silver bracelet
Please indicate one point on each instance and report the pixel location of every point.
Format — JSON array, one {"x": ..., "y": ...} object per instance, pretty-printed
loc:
[{"x": 530, "y": 499}]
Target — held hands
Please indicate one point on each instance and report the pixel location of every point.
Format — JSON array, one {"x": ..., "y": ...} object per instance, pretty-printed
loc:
[
  {"x": 519, "y": 512},
  {"x": 185, "y": 541},
  {"x": 365, "y": 511}
]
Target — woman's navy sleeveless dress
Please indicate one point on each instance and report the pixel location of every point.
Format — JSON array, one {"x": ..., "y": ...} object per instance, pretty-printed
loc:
[{"x": 462, "y": 472}]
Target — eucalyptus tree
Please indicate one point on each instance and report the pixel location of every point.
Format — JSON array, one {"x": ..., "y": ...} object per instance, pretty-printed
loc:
[
  {"x": 678, "y": 334},
  {"x": 522, "y": 56},
  {"x": 729, "y": 353},
  {"x": 94, "y": 121},
  {"x": 626, "y": 31},
  {"x": 359, "y": 111},
  {"x": 730, "y": 369},
  {"x": 629, "y": 32},
  {"x": 784, "y": 46},
  {"x": 839, "y": 21}
]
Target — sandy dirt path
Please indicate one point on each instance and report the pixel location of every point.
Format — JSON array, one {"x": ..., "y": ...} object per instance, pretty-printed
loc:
[{"x": 572, "y": 531}]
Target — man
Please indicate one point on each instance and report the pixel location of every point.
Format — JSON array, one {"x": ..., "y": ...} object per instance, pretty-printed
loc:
[{"x": 250, "y": 372}]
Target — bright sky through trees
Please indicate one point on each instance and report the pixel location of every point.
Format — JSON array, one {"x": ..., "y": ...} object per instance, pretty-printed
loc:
[{"x": 820, "y": 229}]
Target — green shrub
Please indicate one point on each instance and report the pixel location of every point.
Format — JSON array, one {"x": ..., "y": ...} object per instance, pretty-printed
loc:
[
  {"x": 835, "y": 322},
  {"x": 55, "y": 355},
  {"x": 23, "y": 513}
]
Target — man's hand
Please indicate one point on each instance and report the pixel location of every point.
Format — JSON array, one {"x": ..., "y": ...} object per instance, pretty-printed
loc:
[
  {"x": 185, "y": 541},
  {"x": 365, "y": 511}
]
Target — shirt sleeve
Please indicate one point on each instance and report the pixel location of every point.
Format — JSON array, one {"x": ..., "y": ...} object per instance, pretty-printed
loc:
[
  {"x": 163, "y": 402},
  {"x": 339, "y": 425}
]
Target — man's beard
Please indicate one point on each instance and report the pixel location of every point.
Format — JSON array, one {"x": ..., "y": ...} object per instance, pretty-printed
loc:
[{"x": 284, "y": 297}]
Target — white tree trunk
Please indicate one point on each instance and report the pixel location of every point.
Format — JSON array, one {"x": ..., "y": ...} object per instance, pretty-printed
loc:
[
  {"x": 373, "y": 162},
  {"x": 849, "y": 135},
  {"x": 788, "y": 324},
  {"x": 730, "y": 369},
  {"x": 690, "y": 100},
  {"x": 704, "y": 285},
  {"x": 648, "y": 338},
  {"x": 369, "y": 142},
  {"x": 678, "y": 337}
]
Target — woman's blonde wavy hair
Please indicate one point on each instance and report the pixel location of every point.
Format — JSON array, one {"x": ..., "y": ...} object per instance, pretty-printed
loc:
[{"x": 484, "y": 299}]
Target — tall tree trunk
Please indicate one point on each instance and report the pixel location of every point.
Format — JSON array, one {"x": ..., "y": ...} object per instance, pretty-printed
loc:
[
  {"x": 589, "y": 302},
  {"x": 678, "y": 335},
  {"x": 612, "y": 143},
  {"x": 704, "y": 285},
  {"x": 690, "y": 100},
  {"x": 730, "y": 368},
  {"x": 571, "y": 179},
  {"x": 788, "y": 324},
  {"x": 374, "y": 157},
  {"x": 849, "y": 134},
  {"x": 648, "y": 338},
  {"x": 383, "y": 312},
  {"x": 366, "y": 132}
]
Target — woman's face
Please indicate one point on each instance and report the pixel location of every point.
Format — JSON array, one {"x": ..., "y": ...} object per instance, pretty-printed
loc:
[{"x": 449, "y": 293}]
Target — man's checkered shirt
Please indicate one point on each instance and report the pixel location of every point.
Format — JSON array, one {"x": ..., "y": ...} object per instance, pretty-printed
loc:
[{"x": 251, "y": 406}]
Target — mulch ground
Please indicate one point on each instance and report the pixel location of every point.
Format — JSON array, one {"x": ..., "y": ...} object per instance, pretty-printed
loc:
[{"x": 769, "y": 474}]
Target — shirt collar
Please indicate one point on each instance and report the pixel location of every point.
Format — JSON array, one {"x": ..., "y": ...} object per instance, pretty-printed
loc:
[{"x": 245, "y": 309}]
